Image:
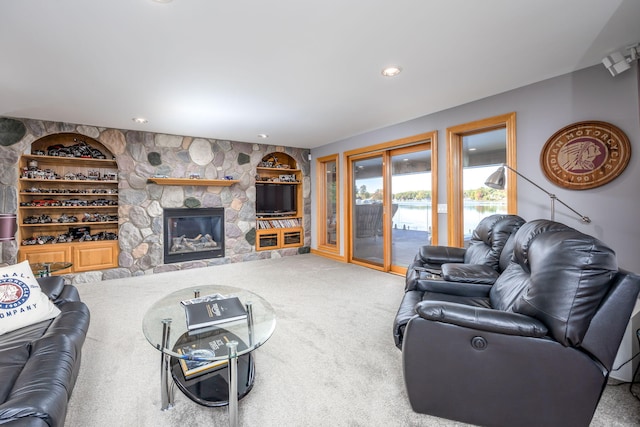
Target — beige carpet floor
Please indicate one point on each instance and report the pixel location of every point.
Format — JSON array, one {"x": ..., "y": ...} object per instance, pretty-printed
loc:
[{"x": 330, "y": 362}]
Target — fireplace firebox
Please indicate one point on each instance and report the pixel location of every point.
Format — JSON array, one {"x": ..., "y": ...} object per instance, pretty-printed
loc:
[{"x": 193, "y": 234}]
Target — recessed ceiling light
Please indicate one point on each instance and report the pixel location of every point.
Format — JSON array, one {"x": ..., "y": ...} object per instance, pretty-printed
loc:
[
  {"x": 263, "y": 135},
  {"x": 140, "y": 120},
  {"x": 391, "y": 71}
]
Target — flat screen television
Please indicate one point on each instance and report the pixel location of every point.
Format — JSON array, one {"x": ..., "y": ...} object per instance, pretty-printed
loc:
[{"x": 275, "y": 199}]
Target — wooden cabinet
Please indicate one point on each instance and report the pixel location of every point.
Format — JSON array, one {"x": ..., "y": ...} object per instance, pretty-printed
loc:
[
  {"x": 68, "y": 203},
  {"x": 279, "y": 233},
  {"x": 278, "y": 203}
]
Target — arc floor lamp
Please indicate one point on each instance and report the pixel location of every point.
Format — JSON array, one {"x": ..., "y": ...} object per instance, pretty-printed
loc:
[{"x": 497, "y": 180}]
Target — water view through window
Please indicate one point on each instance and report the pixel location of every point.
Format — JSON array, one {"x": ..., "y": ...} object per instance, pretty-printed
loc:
[{"x": 414, "y": 204}]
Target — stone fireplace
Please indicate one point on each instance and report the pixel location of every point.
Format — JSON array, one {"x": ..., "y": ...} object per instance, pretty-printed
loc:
[
  {"x": 141, "y": 203},
  {"x": 193, "y": 234}
]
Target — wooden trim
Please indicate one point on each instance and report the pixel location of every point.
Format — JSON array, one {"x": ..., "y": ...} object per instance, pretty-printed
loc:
[
  {"x": 321, "y": 203},
  {"x": 190, "y": 181},
  {"x": 72, "y": 161},
  {"x": 454, "y": 172},
  {"x": 434, "y": 190},
  {"x": 455, "y": 234},
  {"x": 397, "y": 143},
  {"x": 336, "y": 257}
]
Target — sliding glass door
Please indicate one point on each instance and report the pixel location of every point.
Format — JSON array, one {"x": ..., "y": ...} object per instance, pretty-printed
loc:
[
  {"x": 367, "y": 204},
  {"x": 411, "y": 208},
  {"x": 390, "y": 205}
]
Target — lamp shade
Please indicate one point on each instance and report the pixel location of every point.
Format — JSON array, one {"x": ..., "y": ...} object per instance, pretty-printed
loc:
[
  {"x": 8, "y": 227},
  {"x": 497, "y": 179}
]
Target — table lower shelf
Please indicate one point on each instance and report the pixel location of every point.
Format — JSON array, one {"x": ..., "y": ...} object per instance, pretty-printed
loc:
[{"x": 212, "y": 389}]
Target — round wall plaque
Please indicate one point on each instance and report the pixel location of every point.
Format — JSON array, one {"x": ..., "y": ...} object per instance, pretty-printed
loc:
[{"x": 585, "y": 155}]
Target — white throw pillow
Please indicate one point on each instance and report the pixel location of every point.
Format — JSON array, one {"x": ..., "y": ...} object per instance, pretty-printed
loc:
[{"x": 22, "y": 303}]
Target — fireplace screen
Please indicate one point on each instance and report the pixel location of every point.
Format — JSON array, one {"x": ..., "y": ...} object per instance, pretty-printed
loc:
[{"x": 192, "y": 234}]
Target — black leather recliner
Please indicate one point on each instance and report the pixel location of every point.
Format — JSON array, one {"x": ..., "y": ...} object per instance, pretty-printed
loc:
[
  {"x": 538, "y": 350},
  {"x": 484, "y": 249},
  {"x": 471, "y": 271}
]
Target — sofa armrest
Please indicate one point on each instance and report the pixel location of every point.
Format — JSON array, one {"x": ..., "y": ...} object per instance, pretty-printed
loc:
[
  {"x": 441, "y": 254},
  {"x": 483, "y": 319},
  {"x": 441, "y": 286},
  {"x": 469, "y": 273},
  {"x": 51, "y": 285}
]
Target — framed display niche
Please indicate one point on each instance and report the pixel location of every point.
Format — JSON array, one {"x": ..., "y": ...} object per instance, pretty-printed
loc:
[
  {"x": 278, "y": 203},
  {"x": 68, "y": 203}
]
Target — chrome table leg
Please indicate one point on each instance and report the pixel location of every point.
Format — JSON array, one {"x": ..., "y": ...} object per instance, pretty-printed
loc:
[
  {"x": 232, "y": 369},
  {"x": 166, "y": 394}
]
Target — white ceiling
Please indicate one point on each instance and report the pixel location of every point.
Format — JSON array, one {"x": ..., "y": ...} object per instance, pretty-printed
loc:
[{"x": 305, "y": 72}]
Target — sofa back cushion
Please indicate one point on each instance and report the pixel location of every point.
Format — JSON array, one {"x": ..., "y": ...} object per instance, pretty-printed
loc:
[
  {"x": 489, "y": 238},
  {"x": 558, "y": 276}
]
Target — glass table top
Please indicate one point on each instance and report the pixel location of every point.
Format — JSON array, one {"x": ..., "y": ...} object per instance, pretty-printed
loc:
[
  {"x": 41, "y": 269},
  {"x": 171, "y": 312}
]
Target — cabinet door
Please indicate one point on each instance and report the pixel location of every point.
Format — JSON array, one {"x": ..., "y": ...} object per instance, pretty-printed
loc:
[
  {"x": 291, "y": 238},
  {"x": 45, "y": 254},
  {"x": 268, "y": 240},
  {"x": 95, "y": 256}
]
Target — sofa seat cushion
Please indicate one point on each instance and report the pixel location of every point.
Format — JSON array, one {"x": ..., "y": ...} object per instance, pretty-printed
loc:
[
  {"x": 12, "y": 360},
  {"x": 22, "y": 303}
]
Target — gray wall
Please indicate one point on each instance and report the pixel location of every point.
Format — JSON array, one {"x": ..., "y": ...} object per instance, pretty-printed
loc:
[{"x": 542, "y": 109}]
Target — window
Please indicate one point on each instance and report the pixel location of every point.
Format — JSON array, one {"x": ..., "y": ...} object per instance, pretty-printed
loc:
[
  {"x": 328, "y": 219},
  {"x": 474, "y": 151}
]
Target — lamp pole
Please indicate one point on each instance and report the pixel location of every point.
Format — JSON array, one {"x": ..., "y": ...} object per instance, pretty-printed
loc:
[{"x": 552, "y": 196}]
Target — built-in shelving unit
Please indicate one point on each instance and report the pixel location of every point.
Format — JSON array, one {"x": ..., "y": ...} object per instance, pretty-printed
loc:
[
  {"x": 68, "y": 203},
  {"x": 279, "y": 229}
]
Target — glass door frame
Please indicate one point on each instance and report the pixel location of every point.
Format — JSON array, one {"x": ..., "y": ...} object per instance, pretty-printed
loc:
[{"x": 384, "y": 149}]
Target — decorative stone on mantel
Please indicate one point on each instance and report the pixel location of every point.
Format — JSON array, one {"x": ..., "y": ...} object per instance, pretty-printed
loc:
[{"x": 141, "y": 156}]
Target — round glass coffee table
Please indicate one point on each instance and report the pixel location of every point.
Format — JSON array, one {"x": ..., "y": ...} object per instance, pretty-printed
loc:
[
  {"x": 220, "y": 369},
  {"x": 44, "y": 269}
]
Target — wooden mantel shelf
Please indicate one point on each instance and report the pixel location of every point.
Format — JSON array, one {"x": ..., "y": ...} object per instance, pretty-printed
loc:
[{"x": 191, "y": 181}]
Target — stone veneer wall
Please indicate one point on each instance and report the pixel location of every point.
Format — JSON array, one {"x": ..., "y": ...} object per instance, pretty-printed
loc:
[{"x": 141, "y": 155}]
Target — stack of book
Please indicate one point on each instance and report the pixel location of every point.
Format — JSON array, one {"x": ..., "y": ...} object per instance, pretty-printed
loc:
[
  {"x": 212, "y": 310},
  {"x": 279, "y": 223}
]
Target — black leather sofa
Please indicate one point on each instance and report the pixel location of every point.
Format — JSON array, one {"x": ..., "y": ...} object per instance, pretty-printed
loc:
[
  {"x": 537, "y": 350},
  {"x": 39, "y": 363},
  {"x": 471, "y": 270}
]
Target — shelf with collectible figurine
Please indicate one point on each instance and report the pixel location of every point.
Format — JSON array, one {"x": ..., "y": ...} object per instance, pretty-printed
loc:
[{"x": 68, "y": 197}]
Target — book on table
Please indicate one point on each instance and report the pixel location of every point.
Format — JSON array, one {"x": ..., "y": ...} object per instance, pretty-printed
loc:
[
  {"x": 198, "y": 352},
  {"x": 214, "y": 312}
]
